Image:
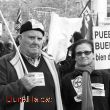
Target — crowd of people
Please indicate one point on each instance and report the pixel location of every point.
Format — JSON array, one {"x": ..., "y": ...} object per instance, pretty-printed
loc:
[{"x": 38, "y": 83}]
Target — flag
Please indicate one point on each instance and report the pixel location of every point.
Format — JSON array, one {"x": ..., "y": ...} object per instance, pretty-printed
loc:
[
  {"x": 18, "y": 20},
  {"x": 86, "y": 9},
  {"x": 89, "y": 30},
  {"x": 60, "y": 32},
  {"x": 87, "y": 23},
  {"x": 83, "y": 28},
  {"x": 97, "y": 20}
]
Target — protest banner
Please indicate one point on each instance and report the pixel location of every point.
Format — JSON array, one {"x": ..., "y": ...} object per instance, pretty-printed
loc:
[
  {"x": 60, "y": 32},
  {"x": 101, "y": 37}
]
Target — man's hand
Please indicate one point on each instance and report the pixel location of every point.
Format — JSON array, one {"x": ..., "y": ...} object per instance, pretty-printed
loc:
[{"x": 29, "y": 81}]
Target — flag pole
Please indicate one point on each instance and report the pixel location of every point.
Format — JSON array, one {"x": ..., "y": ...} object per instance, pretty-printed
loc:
[{"x": 14, "y": 43}]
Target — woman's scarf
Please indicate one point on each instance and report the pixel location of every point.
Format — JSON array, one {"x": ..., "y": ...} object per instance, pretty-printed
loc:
[{"x": 87, "y": 102}]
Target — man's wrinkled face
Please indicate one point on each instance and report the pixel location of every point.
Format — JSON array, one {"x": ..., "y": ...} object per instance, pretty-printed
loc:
[
  {"x": 31, "y": 42},
  {"x": 83, "y": 54}
]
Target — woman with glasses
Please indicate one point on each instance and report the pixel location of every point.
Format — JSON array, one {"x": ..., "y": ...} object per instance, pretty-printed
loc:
[{"x": 86, "y": 88}]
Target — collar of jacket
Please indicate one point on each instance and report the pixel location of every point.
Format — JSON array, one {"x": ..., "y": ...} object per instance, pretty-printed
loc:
[{"x": 15, "y": 61}]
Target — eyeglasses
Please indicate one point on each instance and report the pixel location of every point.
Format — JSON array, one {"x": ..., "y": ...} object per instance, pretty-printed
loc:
[{"x": 85, "y": 53}]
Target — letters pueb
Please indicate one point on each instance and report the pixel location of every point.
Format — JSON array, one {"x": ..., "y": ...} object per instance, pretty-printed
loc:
[{"x": 102, "y": 34}]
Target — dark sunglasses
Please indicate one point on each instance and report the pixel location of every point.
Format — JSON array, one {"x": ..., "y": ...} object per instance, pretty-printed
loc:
[{"x": 85, "y": 52}]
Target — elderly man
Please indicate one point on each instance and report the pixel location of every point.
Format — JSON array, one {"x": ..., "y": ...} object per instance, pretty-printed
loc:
[
  {"x": 38, "y": 89},
  {"x": 86, "y": 88}
]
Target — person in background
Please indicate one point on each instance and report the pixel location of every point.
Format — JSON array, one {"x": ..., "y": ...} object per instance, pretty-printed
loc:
[
  {"x": 75, "y": 37},
  {"x": 9, "y": 47},
  {"x": 86, "y": 88},
  {"x": 36, "y": 89},
  {"x": 67, "y": 65},
  {"x": 2, "y": 48}
]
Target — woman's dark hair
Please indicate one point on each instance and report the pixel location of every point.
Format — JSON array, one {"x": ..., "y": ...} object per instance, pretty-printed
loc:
[
  {"x": 77, "y": 36},
  {"x": 82, "y": 41}
]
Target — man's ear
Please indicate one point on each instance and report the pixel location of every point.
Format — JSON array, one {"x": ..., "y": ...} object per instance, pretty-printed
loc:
[
  {"x": 19, "y": 37},
  {"x": 43, "y": 41}
]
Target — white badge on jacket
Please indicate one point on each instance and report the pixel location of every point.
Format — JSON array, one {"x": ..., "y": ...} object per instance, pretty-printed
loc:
[
  {"x": 98, "y": 89},
  {"x": 40, "y": 79}
]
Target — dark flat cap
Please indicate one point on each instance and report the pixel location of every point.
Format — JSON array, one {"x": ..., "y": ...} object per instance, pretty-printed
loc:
[{"x": 32, "y": 25}]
